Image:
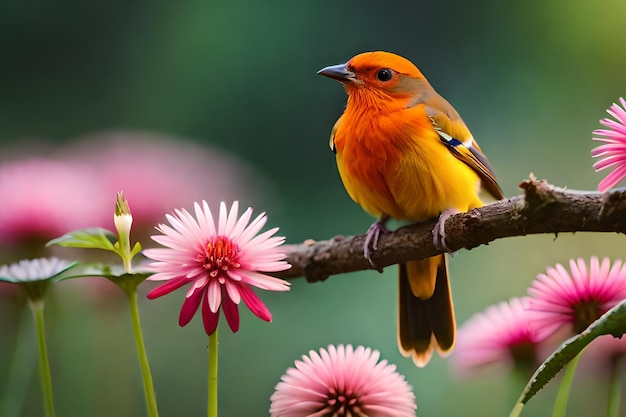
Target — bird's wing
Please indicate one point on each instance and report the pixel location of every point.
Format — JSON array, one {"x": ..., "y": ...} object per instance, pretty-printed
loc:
[
  {"x": 331, "y": 142},
  {"x": 453, "y": 132},
  {"x": 470, "y": 153},
  {"x": 456, "y": 136}
]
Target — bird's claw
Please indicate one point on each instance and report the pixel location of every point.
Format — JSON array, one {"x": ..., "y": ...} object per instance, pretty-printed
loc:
[
  {"x": 371, "y": 241},
  {"x": 439, "y": 231}
]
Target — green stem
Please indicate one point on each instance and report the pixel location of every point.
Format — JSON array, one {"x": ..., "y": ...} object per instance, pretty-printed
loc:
[
  {"x": 148, "y": 386},
  {"x": 517, "y": 409},
  {"x": 212, "y": 401},
  {"x": 37, "y": 306},
  {"x": 124, "y": 246},
  {"x": 615, "y": 388},
  {"x": 127, "y": 264},
  {"x": 517, "y": 381},
  {"x": 21, "y": 368},
  {"x": 560, "y": 405},
  {"x": 520, "y": 375}
]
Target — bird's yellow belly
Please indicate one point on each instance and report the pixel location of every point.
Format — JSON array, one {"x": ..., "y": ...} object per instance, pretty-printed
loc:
[{"x": 416, "y": 182}]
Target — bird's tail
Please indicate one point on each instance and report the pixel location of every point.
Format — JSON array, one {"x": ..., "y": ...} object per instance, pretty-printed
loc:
[{"x": 426, "y": 316}]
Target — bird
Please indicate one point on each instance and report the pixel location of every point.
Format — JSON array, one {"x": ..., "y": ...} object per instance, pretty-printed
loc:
[{"x": 403, "y": 152}]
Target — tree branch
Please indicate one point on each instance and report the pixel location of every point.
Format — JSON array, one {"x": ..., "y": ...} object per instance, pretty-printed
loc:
[{"x": 542, "y": 208}]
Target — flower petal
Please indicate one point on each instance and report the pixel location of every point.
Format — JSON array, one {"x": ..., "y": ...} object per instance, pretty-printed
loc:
[
  {"x": 209, "y": 318},
  {"x": 214, "y": 295},
  {"x": 167, "y": 288},
  {"x": 205, "y": 219},
  {"x": 190, "y": 306},
  {"x": 613, "y": 153},
  {"x": 254, "y": 303},
  {"x": 231, "y": 312}
]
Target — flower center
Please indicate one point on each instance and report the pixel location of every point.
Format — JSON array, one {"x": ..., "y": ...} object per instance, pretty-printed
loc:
[
  {"x": 524, "y": 354},
  {"x": 220, "y": 254},
  {"x": 585, "y": 313},
  {"x": 342, "y": 404}
]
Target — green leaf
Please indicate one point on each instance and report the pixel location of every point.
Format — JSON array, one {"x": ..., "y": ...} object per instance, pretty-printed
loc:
[
  {"x": 98, "y": 269},
  {"x": 136, "y": 249},
  {"x": 129, "y": 282},
  {"x": 114, "y": 273},
  {"x": 96, "y": 238},
  {"x": 61, "y": 275},
  {"x": 94, "y": 269},
  {"x": 613, "y": 322}
]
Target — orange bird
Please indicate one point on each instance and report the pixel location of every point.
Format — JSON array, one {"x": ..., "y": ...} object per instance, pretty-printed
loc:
[{"x": 404, "y": 152}]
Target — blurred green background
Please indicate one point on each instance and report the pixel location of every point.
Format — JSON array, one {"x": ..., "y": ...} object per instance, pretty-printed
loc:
[{"x": 530, "y": 79}]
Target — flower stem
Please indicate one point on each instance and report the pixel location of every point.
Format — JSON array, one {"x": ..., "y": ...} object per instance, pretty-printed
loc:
[
  {"x": 212, "y": 401},
  {"x": 124, "y": 247},
  {"x": 615, "y": 388},
  {"x": 560, "y": 405},
  {"x": 21, "y": 368},
  {"x": 148, "y": 386},
  {"x": 37, "y": 306},
  {"x": 519, "y": 377},
  {"x": 517, "y": 409},
  {"x": 127, "y": 265}
]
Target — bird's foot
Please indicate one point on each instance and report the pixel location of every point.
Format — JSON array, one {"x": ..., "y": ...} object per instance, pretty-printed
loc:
[
  {"x": 439, "y": 232},
  {"x": 371, "y": 240}
]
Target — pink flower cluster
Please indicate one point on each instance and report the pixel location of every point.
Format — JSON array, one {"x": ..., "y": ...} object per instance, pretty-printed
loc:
[
  {"x": 49, "y": 195},
  {"x": 558, "y": 299}
]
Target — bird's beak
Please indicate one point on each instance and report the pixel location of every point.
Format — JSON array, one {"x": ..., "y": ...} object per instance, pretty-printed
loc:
[{"x": 339, "y": 73}]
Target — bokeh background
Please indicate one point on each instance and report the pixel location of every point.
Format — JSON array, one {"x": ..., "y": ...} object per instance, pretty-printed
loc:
[{"x": 238, "y": 78}]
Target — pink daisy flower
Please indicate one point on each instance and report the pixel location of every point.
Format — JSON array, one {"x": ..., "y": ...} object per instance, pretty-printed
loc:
[
  {"x": 613, "y": 152},
  {"x": 503, "y": 333},
  {"x": 342, "y": 381},
  {"x": 220, "y": 263},
  {"x": 578, "y": 297},
  {"x": 43, "y": 199}
]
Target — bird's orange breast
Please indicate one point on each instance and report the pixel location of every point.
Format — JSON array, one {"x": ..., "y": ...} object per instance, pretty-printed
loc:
[{"x": 395, "y": 164}]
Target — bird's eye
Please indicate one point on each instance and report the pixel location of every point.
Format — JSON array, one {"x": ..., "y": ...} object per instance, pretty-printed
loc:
[{"x": 384, "y": 74}]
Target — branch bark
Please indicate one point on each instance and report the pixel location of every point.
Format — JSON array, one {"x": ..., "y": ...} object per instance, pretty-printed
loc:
[{"x": 542, "y": 208}]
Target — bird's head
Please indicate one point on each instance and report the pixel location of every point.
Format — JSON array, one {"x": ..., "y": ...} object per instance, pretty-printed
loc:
[{"x": 382, "y": 74}]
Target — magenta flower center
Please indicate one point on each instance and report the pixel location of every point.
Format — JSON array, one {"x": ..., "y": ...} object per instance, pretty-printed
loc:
[{"x": 220, "y": 255}]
